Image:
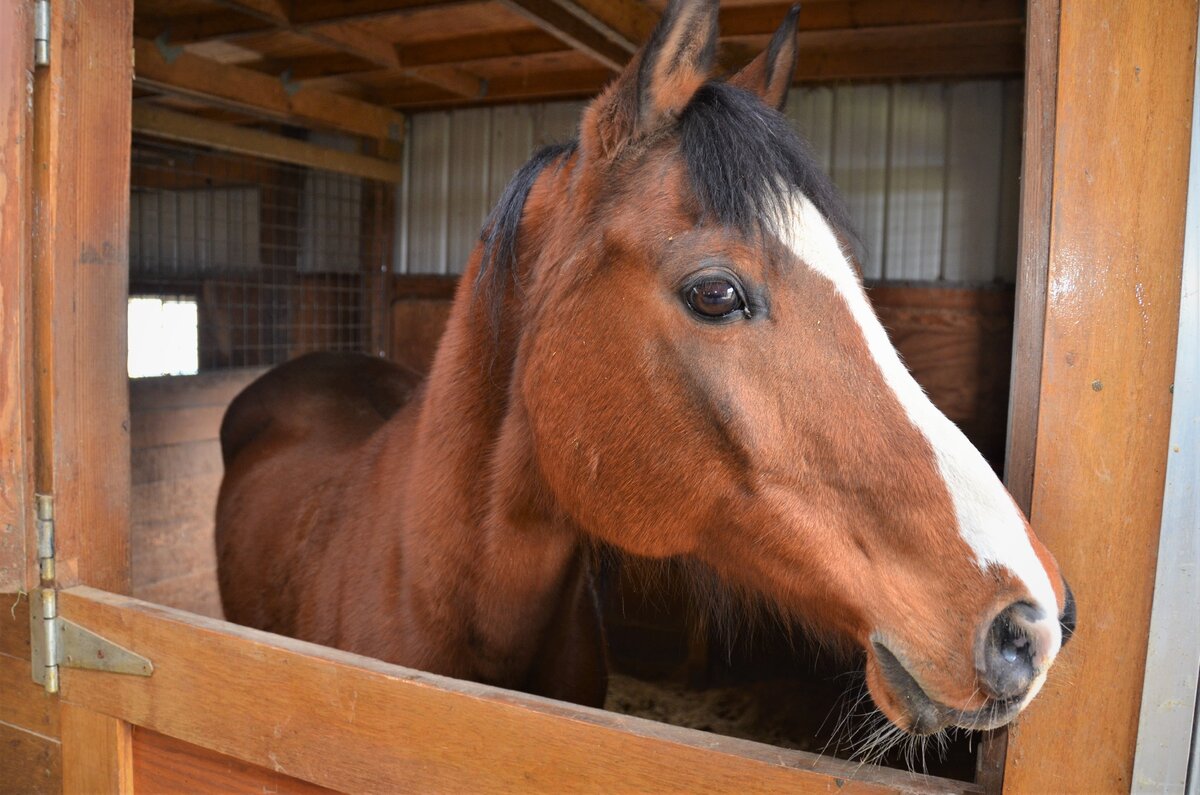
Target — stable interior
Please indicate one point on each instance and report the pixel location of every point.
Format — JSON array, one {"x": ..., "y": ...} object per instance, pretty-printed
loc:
[{"x": 241, "y": 262}]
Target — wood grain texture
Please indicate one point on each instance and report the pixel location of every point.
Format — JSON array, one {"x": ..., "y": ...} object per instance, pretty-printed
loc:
[
  {"x": 1119, "y": 189},
  {"x": 176, "y": 471},
  {"x": 163, "y": 764},
  {"x": 30, "y": 764},
  {"x": 259, "y": 94},
  {"x": 15, "y": 534},
  {"x": 356, "y": 724},
  {"x": 97, "y": 753},
  {"x": 182, "y": 128},
  {"x": 24, "y": 703},
  {"x": 81, "y": 240},
  {"x": 1033, "y": 252}
]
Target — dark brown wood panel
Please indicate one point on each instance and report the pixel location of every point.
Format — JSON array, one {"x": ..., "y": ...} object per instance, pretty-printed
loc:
[
  {"x": 1121, "y": 144},
  {"x": 24, "y": 703},
  {"x": 30, "y": 763}
]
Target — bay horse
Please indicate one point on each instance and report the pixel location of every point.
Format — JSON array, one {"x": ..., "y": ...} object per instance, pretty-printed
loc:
[{"x": 660, "y": 344}]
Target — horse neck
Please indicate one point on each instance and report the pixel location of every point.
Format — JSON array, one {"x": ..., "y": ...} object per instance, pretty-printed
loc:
[{"x": 476, "y": 515}]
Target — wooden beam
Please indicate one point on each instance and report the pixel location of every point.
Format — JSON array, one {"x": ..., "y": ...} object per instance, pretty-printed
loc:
[
  {"x": 577, "y": 31},
  {"x": 345, "y": 36},
  {"x": 331, "y": 720},
  {"x": 81, "y": 145},
  {"x": 190, "y": 29},
  {"x": 1115, "y": 248},
  {"x": 97, "y": 752},
  {"x": 183, "y": 128},
  {"x": 245, "y": 89},
  {"x": 757, "y": 20},
  {"x": 541, "y": 86},
  {"x": 18, "y": 543}
]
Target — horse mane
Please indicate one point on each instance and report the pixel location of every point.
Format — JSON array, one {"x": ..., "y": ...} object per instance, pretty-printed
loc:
[
  {"x": 743, "y": 159},
  {"x": 499, "y": 235}
]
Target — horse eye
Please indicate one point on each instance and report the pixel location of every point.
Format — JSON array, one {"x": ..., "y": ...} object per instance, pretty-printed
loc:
[{"x": 714, "y": 298}]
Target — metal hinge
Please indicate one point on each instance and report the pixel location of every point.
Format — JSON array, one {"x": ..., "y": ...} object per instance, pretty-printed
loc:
[
  {"x": 41, "y": 32},
  {"x": 54, "y": 641}
]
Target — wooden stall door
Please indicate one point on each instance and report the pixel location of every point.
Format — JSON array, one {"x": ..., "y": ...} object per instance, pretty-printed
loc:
[{"x": 232, "y": 709}]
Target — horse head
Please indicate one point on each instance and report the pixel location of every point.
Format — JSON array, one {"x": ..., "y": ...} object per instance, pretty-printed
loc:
[{"x": 698, "y": 372}]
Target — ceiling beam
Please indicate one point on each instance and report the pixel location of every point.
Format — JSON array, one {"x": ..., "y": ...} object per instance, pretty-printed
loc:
[
  {"x": 178, "y": 71},
  {"x": 348, "y": 37},
  {"x": 185, "y": 128},
  {"x": 563, "y": 20}
]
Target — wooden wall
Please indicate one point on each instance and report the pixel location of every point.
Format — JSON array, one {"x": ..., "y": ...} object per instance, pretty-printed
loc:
[{"x": 176, "y": 468}]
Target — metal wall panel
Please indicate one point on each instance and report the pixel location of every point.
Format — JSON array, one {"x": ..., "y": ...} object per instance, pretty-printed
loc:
[
  {"x": 916, "y": 183},
  {"x": 930, "y": 172},
  {"x": 969, "y": 243},
  {"x": 428, "y": 199},
  {"x": 469, "y": 155},
  {"x": 860, "y": 152}
]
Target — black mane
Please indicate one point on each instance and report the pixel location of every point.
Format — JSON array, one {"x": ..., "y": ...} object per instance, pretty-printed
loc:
[{"x": 743, "y": 159}]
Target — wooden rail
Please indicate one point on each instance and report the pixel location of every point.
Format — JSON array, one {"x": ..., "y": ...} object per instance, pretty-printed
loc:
[{"x": 354, "y": 724}]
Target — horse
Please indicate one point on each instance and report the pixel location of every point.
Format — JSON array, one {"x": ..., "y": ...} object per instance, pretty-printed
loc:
[{"x": 661, "y": 344}]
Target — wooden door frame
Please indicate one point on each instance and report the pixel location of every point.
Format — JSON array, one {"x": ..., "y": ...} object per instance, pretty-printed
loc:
[{"x": 1108, "y": 95}]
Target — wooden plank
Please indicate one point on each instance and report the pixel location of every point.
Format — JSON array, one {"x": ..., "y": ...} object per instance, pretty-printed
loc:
[
  {"x": 217, "y": 388},
  {"x": 14, "y": 625},
  {"x": 164, "y": 764},
  {"x": 170, "y": 500},
  {"x": 185, "y": 128},
  {"x": 174, "y": 548},
  {"x": 332, "y": 720},
  {"x": 31, "y": 764},
  {"x": 1116, "y": 239},
  {"x": 97, "y": 752},
  {"x": 554, "y": 18},
  {"x": 15, "y": 464},
  {"x": 744, "y": 20},
  {"x": 245, "y": 89},
  {"x": 417, "y": 327},
  {"x": 161, "y": 427},
  {"x": 24, "y": 703},
  {"x": 1041, "y": 85},
  {"x": 153, "y": 464},
  {"x": 81, "y": 238},
  {"x": 195, "y": 592}
]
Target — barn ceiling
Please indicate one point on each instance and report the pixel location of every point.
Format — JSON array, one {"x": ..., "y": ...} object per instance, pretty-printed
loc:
[{"x": 356, "y": 65}]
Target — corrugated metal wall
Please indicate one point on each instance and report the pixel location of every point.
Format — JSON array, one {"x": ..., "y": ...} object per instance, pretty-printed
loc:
[{"x": 930, "y": 172}]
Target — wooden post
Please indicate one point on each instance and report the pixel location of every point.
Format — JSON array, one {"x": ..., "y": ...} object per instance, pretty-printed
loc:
[
  {"x": 81, "y": 146},
  {"x": 17, "y": 545},
  {"x": 97, "y": 752},
  {"x": 1119, "y": 156}
]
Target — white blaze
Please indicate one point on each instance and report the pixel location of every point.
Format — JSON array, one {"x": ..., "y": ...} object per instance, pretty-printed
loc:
[{"x": 987, "y": 518}]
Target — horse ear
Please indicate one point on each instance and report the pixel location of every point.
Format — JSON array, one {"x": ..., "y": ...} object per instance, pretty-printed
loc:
[
  {"x": 770, "y": 74},
  {"x": 659, "y": 81}
]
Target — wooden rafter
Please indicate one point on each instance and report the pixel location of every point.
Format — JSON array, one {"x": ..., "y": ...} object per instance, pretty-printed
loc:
[
  {"x": 259, "y": 94},
  {"x": 186, "y": 128},
  {"x": 341, "y": 34}
]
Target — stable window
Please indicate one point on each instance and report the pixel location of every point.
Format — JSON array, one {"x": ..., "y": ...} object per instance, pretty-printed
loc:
[{"x": 164, "y": 336}]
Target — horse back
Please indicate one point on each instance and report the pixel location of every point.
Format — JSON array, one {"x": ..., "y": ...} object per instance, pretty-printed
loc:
[
  {"x": 300, "y": 448},
  {"x": 342, "y": 396}
]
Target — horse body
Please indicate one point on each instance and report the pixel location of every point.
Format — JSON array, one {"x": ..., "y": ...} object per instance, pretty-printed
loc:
[{"x": 674, "y": 356}]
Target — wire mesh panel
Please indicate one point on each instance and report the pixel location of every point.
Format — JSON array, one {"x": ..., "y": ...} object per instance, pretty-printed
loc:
[{"x": 279, "y": 259}]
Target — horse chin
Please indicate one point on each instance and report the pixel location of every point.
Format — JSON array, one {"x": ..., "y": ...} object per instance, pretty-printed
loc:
[{"x": 902, "y": 699}]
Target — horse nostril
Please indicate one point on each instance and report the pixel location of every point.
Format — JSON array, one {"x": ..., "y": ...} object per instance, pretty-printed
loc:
[
  {"x": 1007, "y": 660},
  {"x": 1067, "y": 619}
]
